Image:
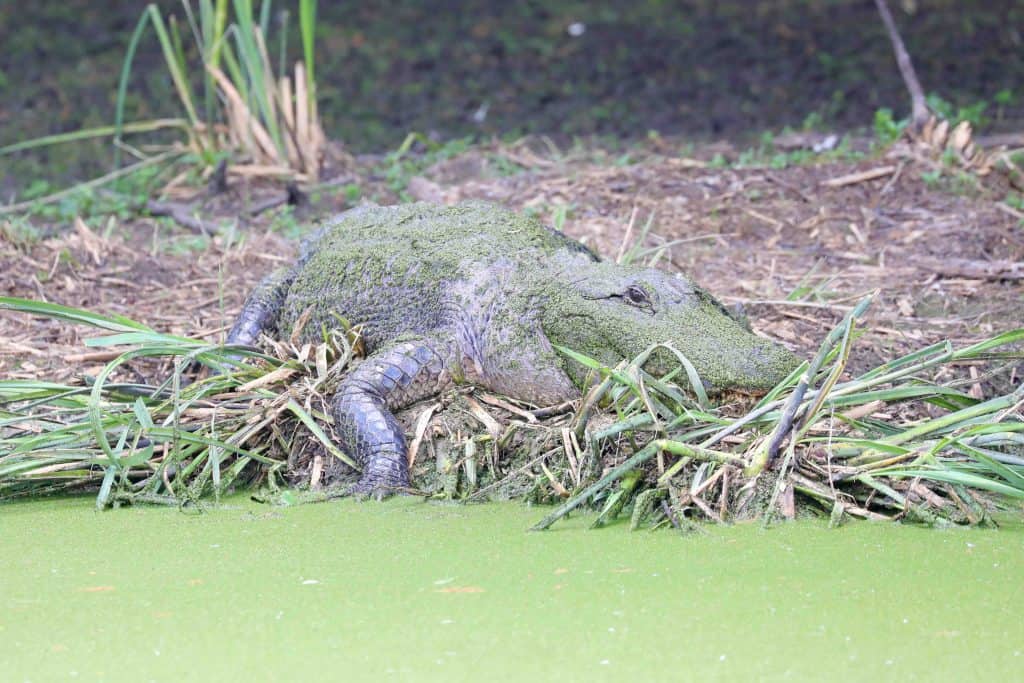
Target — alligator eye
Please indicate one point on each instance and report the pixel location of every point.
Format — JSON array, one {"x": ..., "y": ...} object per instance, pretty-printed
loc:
[{"x": 637, "y": 296}]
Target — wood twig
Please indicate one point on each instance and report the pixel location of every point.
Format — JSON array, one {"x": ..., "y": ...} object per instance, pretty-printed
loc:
[
  {"x": 972, "y": 269},
  {"x": 218, "y": 183},
  {"x": 182, "y": 214},
  {"x": 918, "y": 105},
  {"x": 859, "y": 177},
  {"x": 293, "y": 196}
]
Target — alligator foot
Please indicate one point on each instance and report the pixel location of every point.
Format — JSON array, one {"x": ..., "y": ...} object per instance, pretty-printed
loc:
[
  {"x": 364, "y": 490},
  {"x": 382, "y": 478},
  {"x": 362, "y": 407}
]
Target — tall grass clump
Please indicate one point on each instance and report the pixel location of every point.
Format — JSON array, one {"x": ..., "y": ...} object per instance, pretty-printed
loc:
[
  {"x": 269, "y": 116},
  {"x": 167, "y": 442},
  {"x": 234, "y": 103}
]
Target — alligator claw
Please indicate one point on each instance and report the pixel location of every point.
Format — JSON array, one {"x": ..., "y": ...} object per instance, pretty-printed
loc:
[{"x": 378, "y": 488}]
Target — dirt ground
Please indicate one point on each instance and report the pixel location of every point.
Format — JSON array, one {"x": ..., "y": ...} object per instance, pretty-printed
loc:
[{"x": 794, "y": 251}]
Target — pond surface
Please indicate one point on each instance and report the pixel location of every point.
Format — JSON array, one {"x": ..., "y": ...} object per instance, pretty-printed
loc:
[{"x": 416, "y": 591}]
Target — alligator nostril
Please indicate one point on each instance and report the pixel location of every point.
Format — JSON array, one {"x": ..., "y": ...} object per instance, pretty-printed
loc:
[{"x": 738, "y": 313}]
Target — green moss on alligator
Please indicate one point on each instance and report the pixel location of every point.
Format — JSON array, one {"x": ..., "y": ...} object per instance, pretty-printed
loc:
[{"x": 477, "y": 294}]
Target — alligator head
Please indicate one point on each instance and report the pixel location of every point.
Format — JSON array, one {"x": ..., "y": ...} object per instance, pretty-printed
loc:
[{"x": 609, "y": 312}]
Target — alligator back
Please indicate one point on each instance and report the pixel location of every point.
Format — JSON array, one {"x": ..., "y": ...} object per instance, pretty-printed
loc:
[{"x": 393, "y": 268}]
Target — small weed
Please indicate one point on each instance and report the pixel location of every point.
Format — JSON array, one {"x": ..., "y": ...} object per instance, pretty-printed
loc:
[
  {"x": 931, "y": 178},
  {"x": 352, "y": 193},
  {"x": 766, "y": 155},
  {"x": 505, "y": 167},
  {"x": 952, "y": 181},
  {"x": 812, "y": 121},
  {"x": 560, "y": 214},
  {"x": 285, "y": 223},
  {"x": 974, "y": 113},
  {"x": 184, "y": 245},
  {"x": 122, "y": 198},
  {"x": 964, "y": 183},
  {"x": 64, "y": 258},
  {"x": 20, "y": 232},
  {"x": 1004, "y": 98},
  {"x": 949, "y": 158},
  {"x": 786, "y": 159},
  {"x": 36, "y": 189},
  {"x": 887, "y": 129},
  {"x": 623, "y": 160},
  {"x": 414, "y": 155},
  {"x": 749, "y": 157},
  {"x": 718, "y": 161}
]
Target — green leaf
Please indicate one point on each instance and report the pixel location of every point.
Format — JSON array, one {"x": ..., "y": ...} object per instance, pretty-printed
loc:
[
  {"x": 142, "y": 414},
  {"x": 115, "y": 323},
  {"x": 956, "y": 477}
]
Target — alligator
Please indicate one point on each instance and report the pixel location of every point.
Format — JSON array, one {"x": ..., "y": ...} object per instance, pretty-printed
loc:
[{"x": 477, "y": 294}]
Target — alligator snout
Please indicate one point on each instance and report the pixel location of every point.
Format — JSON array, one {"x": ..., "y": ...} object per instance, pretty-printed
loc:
[
  {"x": 763, "y": 366},
  {"x": 753, "y": 367}
]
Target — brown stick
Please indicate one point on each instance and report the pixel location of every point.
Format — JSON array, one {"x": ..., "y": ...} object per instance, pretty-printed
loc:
[
  {"x": 218, "y": 183},
  {"x": 973, "y": 270},
  {"x": 93, "y": 357},
  {"x": 293, "y": 196},
  {"x": 859, "y": 177},
  {"x": 180, "y": 213},
  {"x": 919, "y": 108}
]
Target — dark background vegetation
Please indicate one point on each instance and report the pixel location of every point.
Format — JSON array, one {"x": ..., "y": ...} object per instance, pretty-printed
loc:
[{"x": 700, "y": 68}]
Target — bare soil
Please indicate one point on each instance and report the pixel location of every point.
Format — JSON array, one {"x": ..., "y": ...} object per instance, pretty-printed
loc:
[{"x": 796, "y": 253}]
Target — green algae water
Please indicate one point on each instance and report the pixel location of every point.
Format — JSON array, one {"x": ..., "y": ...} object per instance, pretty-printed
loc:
[{"x": 406, "y": 590}]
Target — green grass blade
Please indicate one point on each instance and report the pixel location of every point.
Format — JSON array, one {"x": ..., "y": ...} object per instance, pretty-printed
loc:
[
  {"x": 605, "y": 371},
  {"x": 319, "y": 433},
  {"x": 307, "y": 27},
  {"x": 955, "y": 477},
  {"x": 115, "y": 323},
  {"x": 980, "y": 349},
  {"x": 220, "y": 22},
  {"x": 935, "y": 350},
  {"x": 122, "y": 84},
  {"x": 634, "y": 461},
  {"x": 92, "y": 133},
  {"x": 965, "y": 415},
  {"x": 265, "y": 7},
  {"x": 132, "y": 338},
  {"x": 255, "y": 71},
  {"x": 175, "y": 67},
  {"x": 108, "y": 481}
]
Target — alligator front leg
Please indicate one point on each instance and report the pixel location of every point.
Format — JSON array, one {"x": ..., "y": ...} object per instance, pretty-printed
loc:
[
  {"x": 259, "y": 314},
  {"x": 390, "y": 379}
]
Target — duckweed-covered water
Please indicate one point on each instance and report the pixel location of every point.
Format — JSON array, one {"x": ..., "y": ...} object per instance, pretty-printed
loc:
[{"x": 412, "y": 591}]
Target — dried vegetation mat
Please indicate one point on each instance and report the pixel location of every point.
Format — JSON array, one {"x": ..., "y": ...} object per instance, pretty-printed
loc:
[{"x": 888, "y": 444}]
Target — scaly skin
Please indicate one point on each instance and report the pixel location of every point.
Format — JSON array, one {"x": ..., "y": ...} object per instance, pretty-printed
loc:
[{"x": 475, "y": 294}]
